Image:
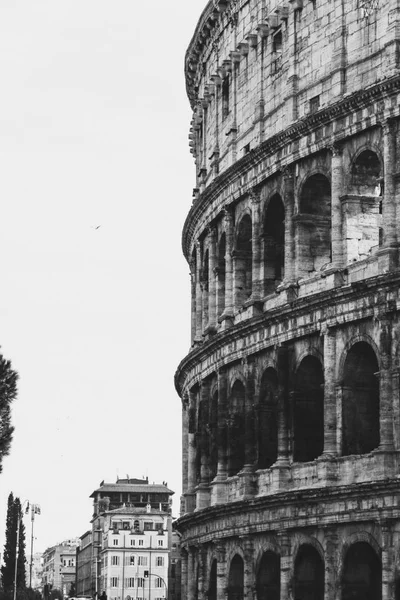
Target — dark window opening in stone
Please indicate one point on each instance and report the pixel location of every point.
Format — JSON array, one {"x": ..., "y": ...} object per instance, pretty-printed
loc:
[
  {"x": 308, "y": 574},
  {"x": 236, "y": 429},
  {"x": 243, "y": 261},
  {"x": 225, "y": 96},
  {"x": 277, "y": 41},
  {"x": 205, "y": 283},
  {"x": 236, "y": 579},
  {"x": 314, "y": 224},
  {"x": 221, "y": 275},
  {"x": 362, "y": 574},
  {"x": 314, "y": 104},
  {"x": 308, "y": 410},
  {"x": 268, "y": 420},
  {"x": 274, "y": 244},
  {"x": 366, "y": 170},
  {"x": 214, "y": 436},
  {"x": 360, "y": 401},
  {"x": 212, "y": 586},
  {"x": 268, "y": 577}
]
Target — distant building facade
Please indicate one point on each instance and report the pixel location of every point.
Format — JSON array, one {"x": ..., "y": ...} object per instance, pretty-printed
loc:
[
  {"x": 131, "y": 541},
  {"x": 84, "y": 551},
  {"x": 37, "y": 567},
  {"x": 59, "y": 563}
]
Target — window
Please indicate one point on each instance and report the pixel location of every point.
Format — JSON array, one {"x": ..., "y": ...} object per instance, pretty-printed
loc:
[
  {"x": 136, "y": 526},
  {"x": 115, "y": 561},
  {"x": 115, "y": 542},
  {"x": 114, "y": 582},
  {"x": 159, "y": 527},
  {"x": 140, "y": 582},
  {"x": 148, "y": 526},
  {"x": 225, "y": 97},
  {"x": 125, "y": 525},
  {"x": 142, "y": 561},
  {"x": 314, "y": 104},
  {"x": 159, "y": 561},
  {"x": 161, "y": 542},
  {"x": 132, "y": 542},
  {"x": 159, "y": 582},
  {"x": 132, "y": 559},
  {"x": 130, "y": 582},
  {"x": 140, "y": 542}
]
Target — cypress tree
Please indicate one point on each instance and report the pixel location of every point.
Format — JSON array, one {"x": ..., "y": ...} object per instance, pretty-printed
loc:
[
  {"x": 9, "y": 555},
  {"x": 8, "y": 392}
]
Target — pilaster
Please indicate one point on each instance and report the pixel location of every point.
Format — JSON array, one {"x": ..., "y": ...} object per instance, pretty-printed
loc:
[
  {"x": 330, "y": 441},
  {"x": 388, "y": 254},
  {"x": 227, "y": 315},
  {"x": 336, "y": 207}
]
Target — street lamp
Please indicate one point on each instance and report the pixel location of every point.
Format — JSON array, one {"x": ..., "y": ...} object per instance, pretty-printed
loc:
[
  {"x": 35, "y": 510},
  {"x": 20, "y": 515}
]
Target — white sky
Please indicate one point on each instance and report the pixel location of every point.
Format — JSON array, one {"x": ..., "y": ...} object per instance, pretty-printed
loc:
[{"x": 94, "y": 121}]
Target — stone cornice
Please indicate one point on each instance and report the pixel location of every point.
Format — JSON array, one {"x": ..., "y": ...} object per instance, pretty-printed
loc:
[
  {"x": 299, "y": 307},
  {"x": 298, "y": 497},
  {"x": 294, "y": 132}
]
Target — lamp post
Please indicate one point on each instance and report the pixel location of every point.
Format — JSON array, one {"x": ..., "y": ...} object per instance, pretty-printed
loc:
[
  {"x": 19, "y": 518},
  {"x": 35, "y": 510}
]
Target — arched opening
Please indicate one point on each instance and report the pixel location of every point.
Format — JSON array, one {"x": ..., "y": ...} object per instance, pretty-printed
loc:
[
  {"x": 205, "y": 282},
  {"x": 236, "y": 578},
  {"x": 212, "y": 586},
  {"x": 236, "y": 453},
  {"x": 268, "y": 420},
  {"x": 314, "y": 225},
  {"x": 214, "y": 436},
  {"x": 309, "y": 574},
  {"x": 362, "y": 207},
  {"x": 202, "y": 439},
  {"x": 221, "y": 274},
  {"x": 308, "y": 410},
  {"x": 274, "y": 244},
  {"x": 360, "y": 401},
  {"x": 243, "y": 259},
  {"x": 362, "y": 573},
  {"x": 268, "y": 577}
]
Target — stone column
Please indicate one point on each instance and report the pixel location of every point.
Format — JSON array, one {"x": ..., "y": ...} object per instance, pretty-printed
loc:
[
  {"x": 336, "y": 207},
  {"x": 202, "y": 490},
  {"x": 256, "y": 292},
  {"x": 185, "y": 445},
  {"x": 388, "y": 253},
  {"x": 249, "y": 571},
  {"x": 330, "y": 433},
  {"x": 249, "y": 432},
  {"x": 331, "y": 564},
  {"x": 388, "y": 563},
  {"x": 222, "y": 427},
  {"x": 202, "y": 581},
  {"x": 212, "y": 282},
  {"x": 286, "y": 564},
  {"x": 199, "y": 307},
  {"x": 283, "y": 429},
  {"x": 222, "y": 576},
  {"x": 289, "y": 266},
  {"x": 385, "y": 385},
  {"x": 228, "y": 312},
  {"x": 184, "y": 574},
  {"x": 192, "y": 580},
  {"x": 193, "y": 300}
]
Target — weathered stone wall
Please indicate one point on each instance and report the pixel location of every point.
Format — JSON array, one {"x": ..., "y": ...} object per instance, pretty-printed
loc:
[{"x": 290, "y": 392}]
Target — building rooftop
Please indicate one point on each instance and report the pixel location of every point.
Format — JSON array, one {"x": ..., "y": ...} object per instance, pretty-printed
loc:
[
  {"x": 151, "y": 488},
  {"x": 140, "y": 510}
]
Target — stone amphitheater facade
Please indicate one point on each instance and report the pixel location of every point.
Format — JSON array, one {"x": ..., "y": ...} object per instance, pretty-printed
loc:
[{"x": 290, "y": 390}]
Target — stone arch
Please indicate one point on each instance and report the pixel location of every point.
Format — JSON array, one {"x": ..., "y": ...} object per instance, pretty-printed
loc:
[
  {"x": 212, "y": 580},
  {"x": 236, "y": 429},
  {"x": 366, "y": 169},
  {"x": 236, "y": 578},
  {"x": 313, "y": 235},
  {"x": 309, "y": 573},
  {"x": 221, "y": 274},
  {"x": 268, "y": 576},
  {"x": 267, "y": 421},
  {"x": 235, "y": 375},
  {"x": 308, "y": 410},
  {"x": 360, "y": 400},
  {"x": 274, "y": 242},
  {"x": 360, "y": 337},
  {"x": 361, "y": 577},
  {"x": 243, "y": 260},
  {"x": 213, "y": 426}
]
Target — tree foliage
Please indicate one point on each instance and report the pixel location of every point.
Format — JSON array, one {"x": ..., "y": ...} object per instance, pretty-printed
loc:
[
  {"x": 10, "y": 547},
  {"x": 8, "y": 392}
]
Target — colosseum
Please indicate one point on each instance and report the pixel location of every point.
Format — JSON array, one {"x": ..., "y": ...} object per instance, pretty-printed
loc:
[{"x": 290, "y": 390}]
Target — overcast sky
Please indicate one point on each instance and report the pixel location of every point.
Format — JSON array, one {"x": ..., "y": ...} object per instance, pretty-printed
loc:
[{"x": 94, "y": 121}]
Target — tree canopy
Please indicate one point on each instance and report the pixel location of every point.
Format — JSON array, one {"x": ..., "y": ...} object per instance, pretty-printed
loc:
[
  {"x": 14, "y": 515},
  {"x": 8, "y": 392}
]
